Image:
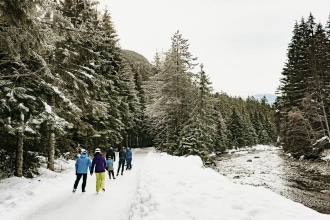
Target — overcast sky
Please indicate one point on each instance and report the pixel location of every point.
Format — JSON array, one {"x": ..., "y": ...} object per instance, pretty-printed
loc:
[{"x": 242, "y": 43}]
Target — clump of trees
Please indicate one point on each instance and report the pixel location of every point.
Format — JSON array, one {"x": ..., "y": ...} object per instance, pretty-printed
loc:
[
  {"x": 303, "y": 102},
  {"x": 187, "y": 118},
  {"x": 65, "y": 83}
]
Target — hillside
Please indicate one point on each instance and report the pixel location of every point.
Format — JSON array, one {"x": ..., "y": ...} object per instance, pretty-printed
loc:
[{"x": 137, "y": 62}]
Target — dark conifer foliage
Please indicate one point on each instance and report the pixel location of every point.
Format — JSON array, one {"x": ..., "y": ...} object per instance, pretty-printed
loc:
[
  {"x": 140, "y": 68},
  {"x": 62, "y": 71},
  {"x": 23, "y": 42},
  {"x": 303, "y": 104},
  {"x": 198, "y": 132},
  {"x": 172, "y": 92},
  {"x": 237, "y": 130}
]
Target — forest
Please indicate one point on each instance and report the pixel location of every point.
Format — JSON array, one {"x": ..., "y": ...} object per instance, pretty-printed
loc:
[{"x": 66, "y": 84}]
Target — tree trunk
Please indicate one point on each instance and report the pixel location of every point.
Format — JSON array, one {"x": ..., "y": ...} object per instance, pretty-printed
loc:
[
  {"x": 51, "y": 155},
  {"x": 19, "y": 151},
  {"x": 325, "y": 119},
  {"x": 19, "y": 155}
]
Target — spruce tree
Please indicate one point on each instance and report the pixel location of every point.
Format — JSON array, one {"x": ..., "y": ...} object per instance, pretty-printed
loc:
[
  {"x": 199, "y": 131},
  {"x": 173, "y": 100},
  {"x": 237, "y": 130}
]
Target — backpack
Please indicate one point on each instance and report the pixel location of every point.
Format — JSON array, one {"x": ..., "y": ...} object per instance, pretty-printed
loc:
[{"x": 109, "y": 164}]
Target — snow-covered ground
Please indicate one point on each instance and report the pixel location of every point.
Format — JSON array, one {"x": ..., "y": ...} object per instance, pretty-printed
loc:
[{"x": 159, "y": 187}]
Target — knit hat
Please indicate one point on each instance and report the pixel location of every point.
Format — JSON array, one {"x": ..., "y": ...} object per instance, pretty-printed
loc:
[
  {"x": 97, "y": 150},
  {"x": 83, "y": 151}
]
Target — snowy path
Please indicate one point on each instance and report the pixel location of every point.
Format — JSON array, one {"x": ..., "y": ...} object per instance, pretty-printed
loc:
[
  {"x": 159, "y": 187},
  {"x": 114, "y": 203}
]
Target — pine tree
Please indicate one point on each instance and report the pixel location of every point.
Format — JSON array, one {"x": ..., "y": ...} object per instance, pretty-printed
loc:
[
  {"x": 140, "y": 70},
  {"x": 221, "y": 141},
  {"x": 142, "y": 135},
  {"x": 110, "y": 65},
  {"x": 237, "y": 130},
  {"x": 221, "y": 108},
  {"x": 175, "y": 94},
  {"x": 76, "y": 78},
  {"x": 199, "y": 131},
  {"x": 304, "y": 87},
  {"x": 82, "y": 61}
]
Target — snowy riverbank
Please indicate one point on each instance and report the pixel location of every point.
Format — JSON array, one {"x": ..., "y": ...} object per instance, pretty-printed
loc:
[{"x": 303, "y": 181}]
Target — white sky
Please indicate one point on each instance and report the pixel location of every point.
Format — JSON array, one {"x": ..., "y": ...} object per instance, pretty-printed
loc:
[
  {"x": 158, "y": 187},
  {"x": 242, "y": 43}
]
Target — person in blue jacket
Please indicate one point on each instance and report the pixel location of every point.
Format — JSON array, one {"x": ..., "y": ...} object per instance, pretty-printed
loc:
[
  {"x": 128, "y": 158},
  {"x": 82, "y": 165},
  {"x": 110, "y": 167}
]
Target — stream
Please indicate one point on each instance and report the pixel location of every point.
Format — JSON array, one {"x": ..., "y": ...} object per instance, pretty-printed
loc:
[{"x": 303, "y": 181}]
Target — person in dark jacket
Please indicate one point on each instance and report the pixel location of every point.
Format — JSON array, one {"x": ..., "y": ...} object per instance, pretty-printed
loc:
[
  {"x": 128, "y": 158},
  {"x": 122, "y": 160},
  {"x": 82, "y": 165},
  {"x": 111, "y": 154},
  {"x": 99, "y": 164}
]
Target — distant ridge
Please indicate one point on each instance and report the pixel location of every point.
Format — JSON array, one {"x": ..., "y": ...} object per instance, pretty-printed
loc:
[
  {"x": 270, "y": 97},
  {"x": 132, "y": 55}
]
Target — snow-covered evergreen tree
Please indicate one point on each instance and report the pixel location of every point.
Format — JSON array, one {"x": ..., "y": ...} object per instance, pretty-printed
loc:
[
  {"x": 174, "y": 97},
  {"x": 199, "y": 131},
  {"x": 23, "y": 69},
  {"x": 304, "y": 88}
]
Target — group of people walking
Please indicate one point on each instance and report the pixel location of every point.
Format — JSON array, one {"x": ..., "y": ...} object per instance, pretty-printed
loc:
[{"x": 100, "y": 165}]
